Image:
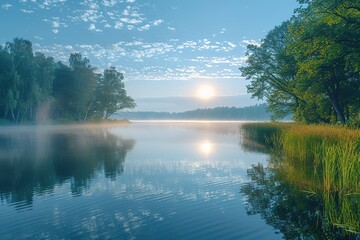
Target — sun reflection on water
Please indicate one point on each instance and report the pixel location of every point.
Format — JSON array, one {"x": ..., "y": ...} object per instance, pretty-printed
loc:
[{"x": 206, "y": 147}]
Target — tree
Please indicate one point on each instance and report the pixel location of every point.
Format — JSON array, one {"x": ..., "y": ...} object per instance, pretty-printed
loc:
[
  {"x": 63, "y": 92},
  {"x": 310, "y": 65},
  {"x": 272, "y": 72},
  {"x": 84, "y": 85},
  {"x": 22, "y": 55},
  {"x": 111, "y": 95},
  {"x": 33, "y": 87},
  {"x": 325, "y": 39},
  {"x": 9, "y": 81},
  {"x": 44, "y": 78}
]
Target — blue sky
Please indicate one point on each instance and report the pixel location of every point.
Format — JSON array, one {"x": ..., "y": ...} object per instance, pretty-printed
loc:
[{"x": 163, "y": 47}]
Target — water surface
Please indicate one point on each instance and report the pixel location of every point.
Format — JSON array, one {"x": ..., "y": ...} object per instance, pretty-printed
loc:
[{"x": 146, "y": 180}]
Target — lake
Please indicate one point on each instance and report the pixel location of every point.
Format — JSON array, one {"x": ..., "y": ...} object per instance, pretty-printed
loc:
[{"x": 148, "y": 180}]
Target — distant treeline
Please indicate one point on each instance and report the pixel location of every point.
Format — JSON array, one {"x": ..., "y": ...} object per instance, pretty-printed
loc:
[
  {"x": 257, "y": 112},
  {"x": 309, "y": 66},
  {"x": 35, "y": 87}
]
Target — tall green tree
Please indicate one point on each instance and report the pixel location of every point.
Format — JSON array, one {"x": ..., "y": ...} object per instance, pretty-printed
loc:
[
  {"x": 84, "y": 85},
  {"x": 33, "y": 87},
  {"x": 22, "y": 54},
  {"x": 272, "y": 72},
  {"x": 9, "y": 82},
  {"x": 310, "y": 65},
  {"x": 325, "y": 40},
  {"x": 111, "y": 95},
  {"x": 63, "y": 92},
  {"x": 44, "y": 78}
]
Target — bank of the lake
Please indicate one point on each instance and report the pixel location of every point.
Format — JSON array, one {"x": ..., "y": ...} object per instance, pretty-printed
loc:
[{"x": 318, "y": 159}]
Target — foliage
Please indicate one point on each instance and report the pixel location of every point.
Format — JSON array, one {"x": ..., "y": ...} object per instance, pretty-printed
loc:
[
  {"x": 320, "y": 52},
  {"x": 272, "y": 72},
  {"x": 35, "y": 88},
  {"x": 110, "y": 94},
  {"x": 84, "y": 81}
]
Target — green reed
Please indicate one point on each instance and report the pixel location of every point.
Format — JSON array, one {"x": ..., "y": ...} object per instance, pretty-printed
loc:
[
  {"x": 266, "y": 134},
  {"x": 328, "y": 155},
  {"x": 342, "y": 211},
  {"x": 318, "y": 159}
]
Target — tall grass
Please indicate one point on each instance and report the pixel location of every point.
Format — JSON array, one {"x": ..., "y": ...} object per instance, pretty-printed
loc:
[
  {"x": 319, "y": 159},
  {"x": 342, "y": 212},
  {"x": 266, "y": 134},
  {"x": 330, "y": 154}
]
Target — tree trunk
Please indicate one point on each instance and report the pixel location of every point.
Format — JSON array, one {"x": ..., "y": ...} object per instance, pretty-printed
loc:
[
  {"x": 87, "y": 111},
  {"x": 338, "y": 110}
]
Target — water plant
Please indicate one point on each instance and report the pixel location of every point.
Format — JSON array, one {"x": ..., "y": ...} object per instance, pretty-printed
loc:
[{"x": 321, "y": 159}]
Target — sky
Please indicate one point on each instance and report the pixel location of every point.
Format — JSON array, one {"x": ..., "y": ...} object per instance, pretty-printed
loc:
[{"x": 165, "y": 48}]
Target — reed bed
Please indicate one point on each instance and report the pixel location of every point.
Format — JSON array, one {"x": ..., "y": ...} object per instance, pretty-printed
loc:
[
  {"x": 321, "y": 160},
  {"x": 329, "y": 154}
]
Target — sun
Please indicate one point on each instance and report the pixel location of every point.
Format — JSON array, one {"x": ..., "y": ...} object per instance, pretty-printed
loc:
[{"x": 205, "y": 92}]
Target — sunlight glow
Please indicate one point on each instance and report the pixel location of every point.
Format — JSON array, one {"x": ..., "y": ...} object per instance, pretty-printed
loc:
[
  {"x": 205, "y": 92},
  {"x": 206, "y": 147}
]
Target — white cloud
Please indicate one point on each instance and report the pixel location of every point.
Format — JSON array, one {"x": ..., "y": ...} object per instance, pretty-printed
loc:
[
  {"x": 47, "y": 4},
  {"x": 131, "y": 20},
  {"x": 55, "y": 24},
  {"x": 116, "y": 14},
  {"x": 26, "y": 11},
  {"x": 6, "y": 6},
  {"x": 232, "y": 45},
  {"x": 145, "y": 54},
  {"x": 252, "y": 42},
  {"x": 91, "y": 15},
  {"x": 144, "y": 28},
  {"x": 126, "y": 12},
  {"x": 92, "y": 27},
  {"x": 90, "y": 4},
  {"x": 118, "y": 25},
  {"x": 171, "y": 28},
  {"x": 110, "y": 3},
  {"x": 229, "y": 60},
  {"x": 158, "y": 22}
]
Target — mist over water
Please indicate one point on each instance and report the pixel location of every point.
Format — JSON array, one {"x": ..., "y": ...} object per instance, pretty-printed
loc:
[{"x": 145, "y": 180}]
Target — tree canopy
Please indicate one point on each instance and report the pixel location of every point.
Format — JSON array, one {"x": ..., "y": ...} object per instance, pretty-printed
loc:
[
  {"x": 34, "y": 87},
  {"x": 309, "y": 66}
]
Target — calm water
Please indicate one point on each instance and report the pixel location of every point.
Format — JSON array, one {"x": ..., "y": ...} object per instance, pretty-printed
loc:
[{"x": 144, "y": 181}]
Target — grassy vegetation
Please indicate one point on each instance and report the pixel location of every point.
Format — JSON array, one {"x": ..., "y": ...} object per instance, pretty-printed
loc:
[
  {"x": 330, "y": 153},
  {"x": 321, "y": 160}
]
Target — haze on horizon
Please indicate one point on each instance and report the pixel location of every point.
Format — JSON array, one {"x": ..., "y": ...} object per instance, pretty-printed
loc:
[{"x": 165, "y": 49}]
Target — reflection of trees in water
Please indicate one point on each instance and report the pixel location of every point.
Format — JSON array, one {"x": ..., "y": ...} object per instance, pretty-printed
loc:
[
  {"x": 294, "y": 213},
  {"x": 34, "y": 163}
]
